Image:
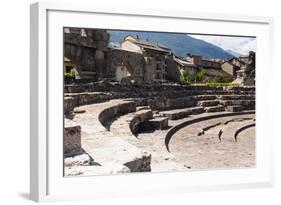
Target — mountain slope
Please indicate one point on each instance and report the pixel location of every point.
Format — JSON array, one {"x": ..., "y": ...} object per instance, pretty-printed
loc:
[
  {"x": 180, "y": 44},
  {"x": 233, "y": 53}
]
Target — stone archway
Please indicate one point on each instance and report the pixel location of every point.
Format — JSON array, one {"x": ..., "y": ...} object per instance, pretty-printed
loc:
[{"x": 124, "y": 70}]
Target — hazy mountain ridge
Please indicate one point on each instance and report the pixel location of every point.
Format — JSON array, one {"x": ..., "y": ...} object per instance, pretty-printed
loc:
[
  {"x": 233, "y": 53},
  {"x": 180, "y": 44}
]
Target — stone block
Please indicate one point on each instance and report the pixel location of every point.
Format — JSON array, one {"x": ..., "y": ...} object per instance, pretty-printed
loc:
[
  {"x": 72, "y": 139},
  {"x": 218, "y": 108},
  {"x": 208, "y": 103},
  {"x": 68, "y": 105},
  {"x": 234, "y": 108},
  {"x": 78, "y": 160},
  {"x": 176, "y": 114},
  {"x": 159, "y": 123},
  {"x": 138, "y": 118},
  {"x": 197, "y": 110}
]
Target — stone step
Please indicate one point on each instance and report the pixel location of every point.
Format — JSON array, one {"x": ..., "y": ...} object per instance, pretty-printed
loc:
[
  {"x": 208, "y": 103},
  {"x": 181, "y": 113},
  {"x": 176, "y": 114},
  {"x": 138, "y": 118},
  {"x": 236, "y": 97},
  {"x": 130, "y": 123},
  {"x": 113, "y": 110},
  {"x": 138, "y": 108},
  {"x": 246, "y": 104},
  {"x": 236, "y": 108},
  {"x": 159, "y": 123},
  {"x": 85, "y": 98},
  {"x": 218, "y": 108},
  {"x": 177, "y": 103},
  {"x": 197, "y": 110},
  {"x": 204, "y": 97}
]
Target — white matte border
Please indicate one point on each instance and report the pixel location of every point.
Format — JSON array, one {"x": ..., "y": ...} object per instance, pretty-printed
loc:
[{"x": 53, "y": 186}]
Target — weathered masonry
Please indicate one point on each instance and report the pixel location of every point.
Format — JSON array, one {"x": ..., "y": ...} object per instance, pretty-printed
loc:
[{"x": 87, "y": 51}]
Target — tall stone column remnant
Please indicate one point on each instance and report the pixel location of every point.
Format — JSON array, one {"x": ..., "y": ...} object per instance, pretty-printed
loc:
[{"x": 86, "y": 49}]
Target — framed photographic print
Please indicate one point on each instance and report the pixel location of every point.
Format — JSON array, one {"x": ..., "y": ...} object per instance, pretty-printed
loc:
[{"x": 127, "y": 102}]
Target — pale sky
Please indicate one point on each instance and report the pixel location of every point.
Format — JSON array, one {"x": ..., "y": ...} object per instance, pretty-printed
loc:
[{"x": 241, "y": 45}]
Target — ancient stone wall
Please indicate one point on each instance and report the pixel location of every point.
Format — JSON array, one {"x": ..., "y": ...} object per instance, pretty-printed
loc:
[
  {"x": 159, "y": 96},
  {"x": 87, "y": 50},
  {"x": 131, "y": 61},
  {"x": 156, "y": 89},
  {"x": 72, "y": 139}
]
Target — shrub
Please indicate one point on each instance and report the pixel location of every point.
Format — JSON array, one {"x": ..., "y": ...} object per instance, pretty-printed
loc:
[
  {"x": 184, "y": 77},
  {"x": 69, "y": 76},
  {"x": 198, "y": 76},
  {"x": 221, "y": 79}
]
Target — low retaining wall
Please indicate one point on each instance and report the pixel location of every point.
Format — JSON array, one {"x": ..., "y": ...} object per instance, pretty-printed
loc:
[
  {"x": 157, "y": 96},
  {"x": 147, "y": 90},
  {"x": 72, "y": 100},
  {"x": 115, "y": 111}
]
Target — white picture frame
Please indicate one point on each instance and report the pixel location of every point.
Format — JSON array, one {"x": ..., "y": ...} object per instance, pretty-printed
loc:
[{"x": 46, "y": 179}]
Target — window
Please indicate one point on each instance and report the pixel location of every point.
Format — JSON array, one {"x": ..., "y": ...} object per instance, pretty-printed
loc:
[{"x": 158, "y": 67}]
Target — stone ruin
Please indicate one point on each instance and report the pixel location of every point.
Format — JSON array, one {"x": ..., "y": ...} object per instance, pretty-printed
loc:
[
  {"x": 246, "y": 75},
  {"x": 137, "y": 125},
  {"x": 87, "y": 49},
  {"x": 128, "y": 128}
]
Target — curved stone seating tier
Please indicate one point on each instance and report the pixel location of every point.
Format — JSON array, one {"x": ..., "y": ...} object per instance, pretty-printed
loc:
[
  {"x": 218, "y": 108},
  {"x": 196, "y": 119},
  {"x": 72, "y": 100},
  {"x": 129, "y": 124},
  {"x": 149, "y": 88},
  {"x": 208, "y": 103},
  {"x": 106, "y": 149},
  {"x": 163, "y": 103},
  {"x": 245, "y": 104},
  {"x": 210, "y": 144},
  {"x": 241, "y": 129},
  {"x": 236, "y": 97},
  {"x": 204, "y": 97},
  {"x": 174, "y": 100},
  {"x": 181, "y": 113},
  {"x": 115, "y": 109}
]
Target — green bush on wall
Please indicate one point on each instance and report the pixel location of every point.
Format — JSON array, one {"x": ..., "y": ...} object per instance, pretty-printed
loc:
[
  {"x": 198, "y": 76},
  {"x": 69, "y": 76}
]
